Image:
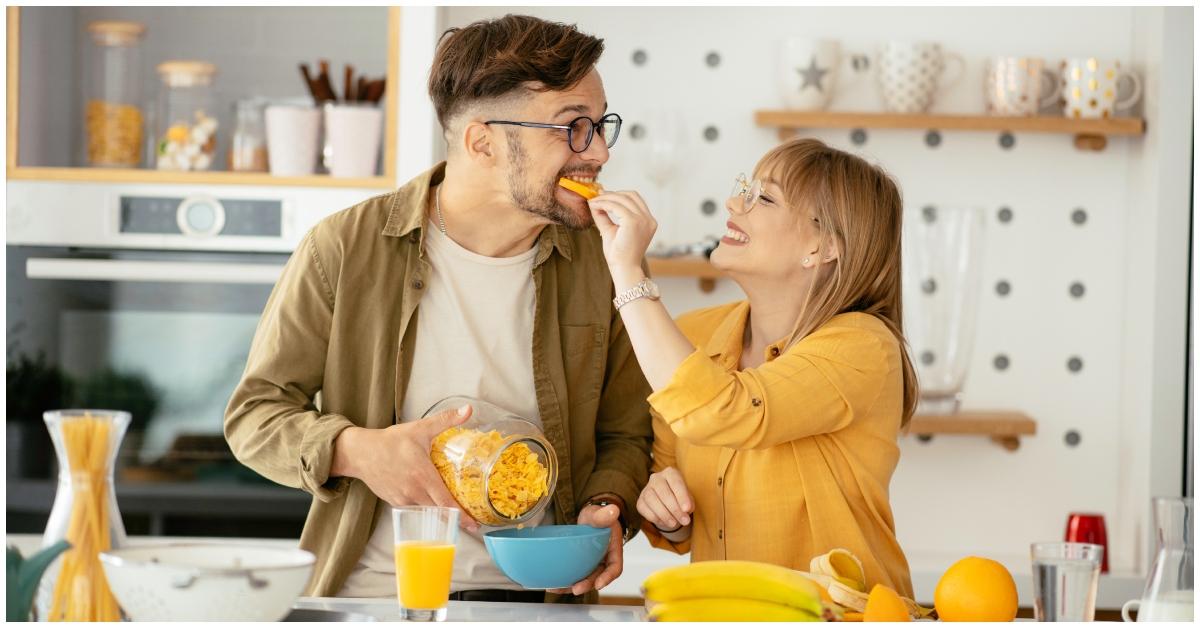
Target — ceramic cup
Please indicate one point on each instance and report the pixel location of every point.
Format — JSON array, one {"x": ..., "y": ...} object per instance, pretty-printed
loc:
[
  {"x": 292, "y": 134},
  {"x": 1019, "y": 86},
  {"x": 912, "y": 73},
  {"x": 811, "y": 72},
  {"x": 1090, "y": 87}
]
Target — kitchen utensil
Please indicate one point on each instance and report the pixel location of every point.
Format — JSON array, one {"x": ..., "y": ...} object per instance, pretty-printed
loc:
[
  {"x": 375, "y": 90},
  {"x": 547, "y": 557},
  {"x": 810, "y": 72},
  {"x": 352, "y": 135},
  {"x": 1170, "y": 591},
  {"x": 1090, "y": 87},
  {"x": 488, "y": 456},
  {"x": 1065, "y": 577},
  {"x": 910, "y": 74},
  {"x": 349, "y": 84},
  {"x": 1088, "y": 528},
  {"x": 1019, "y": 86},
  {"x": 84, "y": 513},
  {"x": 207, "y": 581},
  {"x": 943, "y": 249},
  {"x": 113, "y": 116},
  {"x": 317, "y": 614},
  {"x": 187, "y": 127},
  {"x": 424, "y": 538},
  {"x": 292, "y": 136}
]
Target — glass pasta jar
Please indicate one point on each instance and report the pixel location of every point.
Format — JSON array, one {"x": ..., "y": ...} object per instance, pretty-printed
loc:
[
  {"x": 113, "y": 120},
  {"x": 186, "y": 136},
  {"x": 84, "y": 513},
  {"x": 498, "y": 466}
]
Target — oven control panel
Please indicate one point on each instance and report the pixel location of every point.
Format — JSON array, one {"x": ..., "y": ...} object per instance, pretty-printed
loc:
[{"x": 201, "y": 216}]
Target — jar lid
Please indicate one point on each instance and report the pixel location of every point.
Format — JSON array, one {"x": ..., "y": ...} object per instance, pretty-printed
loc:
[
  {"x": 186, "y": 73},
  {"x": 116, "y": 33}
]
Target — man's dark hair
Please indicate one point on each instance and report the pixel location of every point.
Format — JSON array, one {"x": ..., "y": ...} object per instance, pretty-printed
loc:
[{"x": 490, "y": 59}]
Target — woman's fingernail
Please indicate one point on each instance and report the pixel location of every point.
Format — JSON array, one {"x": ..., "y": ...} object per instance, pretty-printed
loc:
[{"x": 463, "y": 410}]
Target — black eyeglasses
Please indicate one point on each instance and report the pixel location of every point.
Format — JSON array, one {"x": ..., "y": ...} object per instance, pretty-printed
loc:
[{"x": 580, "y": 131}]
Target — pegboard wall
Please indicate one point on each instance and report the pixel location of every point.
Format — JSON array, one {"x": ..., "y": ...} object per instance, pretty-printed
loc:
[{"x": 1054, "y": 329}]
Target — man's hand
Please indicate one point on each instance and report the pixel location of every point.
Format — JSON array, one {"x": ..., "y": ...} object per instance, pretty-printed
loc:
[
  {"x": 611, "y": 566},
  {"x": 394, "y": 462}
]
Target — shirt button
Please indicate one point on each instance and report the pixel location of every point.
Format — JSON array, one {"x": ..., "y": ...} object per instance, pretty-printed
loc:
[
  {"x": 756, "y": 402},
  {"x": 774, "y": 352},
  {"x": 720, "y": 481},
  {"x": 418, "y": 284},
  {"x": 413, "y": 237},
  {"x": 720, "y": 534}
]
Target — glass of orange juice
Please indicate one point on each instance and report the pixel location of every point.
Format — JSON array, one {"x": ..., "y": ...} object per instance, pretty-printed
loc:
[{"x": 424, "y": 537}]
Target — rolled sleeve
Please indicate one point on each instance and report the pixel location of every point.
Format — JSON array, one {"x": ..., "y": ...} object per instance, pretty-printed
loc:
[{"x": 316, "y": 457}]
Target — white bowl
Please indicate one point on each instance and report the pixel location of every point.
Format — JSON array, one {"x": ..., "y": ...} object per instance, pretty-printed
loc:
[{"x": 206, "y": 581}]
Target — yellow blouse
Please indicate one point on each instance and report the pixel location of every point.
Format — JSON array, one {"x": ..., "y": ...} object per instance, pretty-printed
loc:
[{"x": 793, "y": 458}]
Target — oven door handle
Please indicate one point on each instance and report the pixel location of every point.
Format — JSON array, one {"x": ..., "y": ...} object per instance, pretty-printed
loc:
[{"x": 160, "y": 271}]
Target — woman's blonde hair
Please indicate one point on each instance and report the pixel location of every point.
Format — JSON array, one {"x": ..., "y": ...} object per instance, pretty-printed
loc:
[{"x": 859, "y": 211}]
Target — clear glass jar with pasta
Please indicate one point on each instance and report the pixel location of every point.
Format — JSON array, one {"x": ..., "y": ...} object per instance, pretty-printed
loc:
[
  {"x": 498, "y": 466},
  {"x": 84, "y": 513},
  {"x": 113, "y": 120}
]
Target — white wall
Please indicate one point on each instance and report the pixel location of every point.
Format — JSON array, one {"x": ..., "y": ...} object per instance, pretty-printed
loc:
[{"x": 958, "y": 496}]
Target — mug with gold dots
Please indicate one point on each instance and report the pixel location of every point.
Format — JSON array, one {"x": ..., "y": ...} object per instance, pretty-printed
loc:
[{"x": 1090, "y": 87}]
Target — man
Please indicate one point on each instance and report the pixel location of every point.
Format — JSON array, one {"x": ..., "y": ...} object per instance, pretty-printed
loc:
[{"x": 480, "y": 277}]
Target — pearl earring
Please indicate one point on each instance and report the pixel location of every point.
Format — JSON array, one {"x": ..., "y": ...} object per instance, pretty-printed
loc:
[{"x": 805, "y": 260}]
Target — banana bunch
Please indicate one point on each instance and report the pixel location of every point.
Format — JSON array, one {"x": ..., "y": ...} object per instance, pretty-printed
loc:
[
  {"x": 735, "y": 590},
  {"x": 842, "y": 576}
]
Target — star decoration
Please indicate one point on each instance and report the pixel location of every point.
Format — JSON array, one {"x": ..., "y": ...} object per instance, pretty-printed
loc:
[{"x": 812, "y": 75}]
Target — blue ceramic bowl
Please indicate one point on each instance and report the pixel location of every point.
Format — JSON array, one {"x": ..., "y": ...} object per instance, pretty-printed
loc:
[{"x": 547, "y": 557}]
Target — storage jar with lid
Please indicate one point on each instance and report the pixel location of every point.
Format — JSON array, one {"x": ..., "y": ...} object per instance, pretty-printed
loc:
[
  {"x": 186, "y": 136},
  {"x": 113, "y": 116},
  {"x": 498, "y": 466}
]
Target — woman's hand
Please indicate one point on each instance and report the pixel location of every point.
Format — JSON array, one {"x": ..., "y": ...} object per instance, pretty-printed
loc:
[
  {"x": 626, "y": 226},
  {"x": 666, "y": 502}
]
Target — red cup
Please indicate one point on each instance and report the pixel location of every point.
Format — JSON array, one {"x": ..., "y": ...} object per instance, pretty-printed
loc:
[{"x": 1088, "y": 528}]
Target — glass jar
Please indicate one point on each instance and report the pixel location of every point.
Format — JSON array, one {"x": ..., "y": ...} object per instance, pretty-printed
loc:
[
  {"x": 498, "y": 466},
  {"x": 248, "y": 145},
  {"x": 113, "y": 121},
  {"x": 186, "y": 137},
  {"x": 84, "y": 513}
]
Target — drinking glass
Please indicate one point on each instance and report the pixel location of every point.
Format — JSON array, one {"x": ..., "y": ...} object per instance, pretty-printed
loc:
[
  {"x": 1065, "y": 577},
  {"x": 424, "y": 538}
]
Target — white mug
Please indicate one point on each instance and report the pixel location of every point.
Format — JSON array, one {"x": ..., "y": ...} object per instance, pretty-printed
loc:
[
  {"x": 292, "y": 134},
  {"x": 1090, "y": 87},
  {"x": 1172, "y": 606},
  {"x": 1019, "y": 86},
  {"x": 910, "y": 74},
  {"x": 353, "y": 133},
  {"x": 810, "y": 72}
]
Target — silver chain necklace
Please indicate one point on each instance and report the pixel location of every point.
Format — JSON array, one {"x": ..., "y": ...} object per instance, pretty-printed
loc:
[{"x": 437, "y": 200}]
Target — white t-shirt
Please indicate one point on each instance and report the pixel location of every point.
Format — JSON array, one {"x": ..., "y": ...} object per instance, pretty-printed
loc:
[{"x": 475, "y": 339}]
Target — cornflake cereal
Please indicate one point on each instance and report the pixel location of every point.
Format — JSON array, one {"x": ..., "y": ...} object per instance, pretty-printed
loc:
[
  {"x": 517, "y": 482},
  {"x": 114, "y": 134}
]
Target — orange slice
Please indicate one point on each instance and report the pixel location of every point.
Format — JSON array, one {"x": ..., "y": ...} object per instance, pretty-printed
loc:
[
  {"x": 586, "y": 190},
  {"x": 885, "y": 605}
]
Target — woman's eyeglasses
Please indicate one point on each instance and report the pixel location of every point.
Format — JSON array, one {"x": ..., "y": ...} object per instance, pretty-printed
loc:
[
  {"x": 749, "y": 191},
  {"x": 580, "y": 131}
]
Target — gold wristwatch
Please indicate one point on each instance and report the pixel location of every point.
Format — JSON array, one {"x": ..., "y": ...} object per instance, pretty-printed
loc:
[{"x": 645, "y": 289}]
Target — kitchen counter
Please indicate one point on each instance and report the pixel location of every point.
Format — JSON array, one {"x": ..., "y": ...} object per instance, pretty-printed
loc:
[
  {"x": 640, "y": 561},
  {"x": 385, "y": 609}
]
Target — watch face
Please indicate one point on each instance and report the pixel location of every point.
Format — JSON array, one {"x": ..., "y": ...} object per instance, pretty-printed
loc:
[{"x": 652, "y": 289}]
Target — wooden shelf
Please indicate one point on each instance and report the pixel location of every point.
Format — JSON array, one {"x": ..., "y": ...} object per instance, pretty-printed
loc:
[
  {"x": 1090, "y": 134},
  {"x": 134, "y": 175},
  {"x": 690, "y": 266},
  {"x": 1005, "y": 428}
]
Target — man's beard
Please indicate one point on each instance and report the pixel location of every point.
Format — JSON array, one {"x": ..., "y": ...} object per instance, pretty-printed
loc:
[{"x": 538, "y": 201}]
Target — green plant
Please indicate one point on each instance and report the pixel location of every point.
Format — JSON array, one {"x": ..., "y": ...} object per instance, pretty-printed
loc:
[
  {"x": 35, "y": 386},
  {"x": 110, "y": 389}
]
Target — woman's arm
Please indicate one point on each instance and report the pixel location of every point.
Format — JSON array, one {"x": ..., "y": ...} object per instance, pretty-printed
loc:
[{"x": 657, "y": 341}]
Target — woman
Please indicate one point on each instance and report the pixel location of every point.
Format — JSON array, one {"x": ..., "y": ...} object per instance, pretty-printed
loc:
[{"x": 776, "y": 418}]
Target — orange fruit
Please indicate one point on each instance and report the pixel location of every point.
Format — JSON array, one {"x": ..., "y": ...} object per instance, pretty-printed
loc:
[
  {"x": 976, "y": 589},
  {"x": 884, "y": 604}
]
